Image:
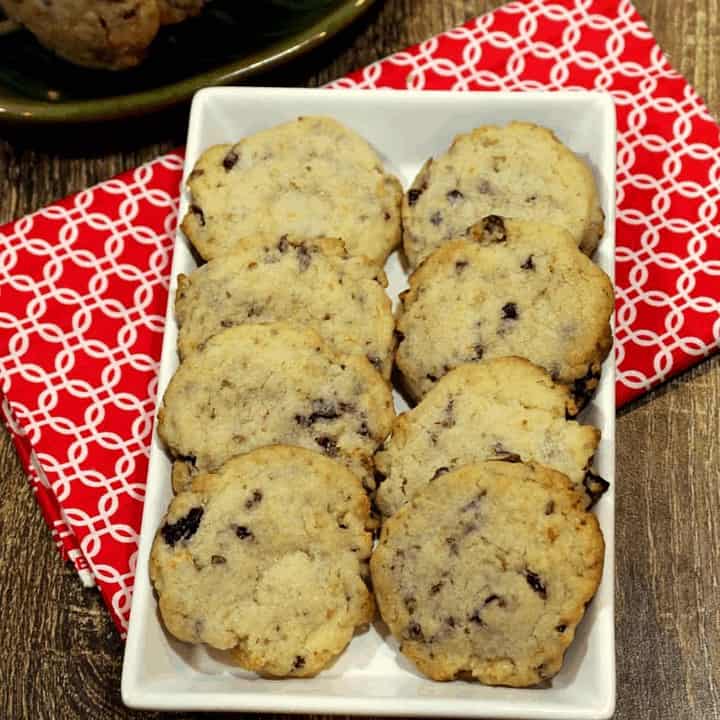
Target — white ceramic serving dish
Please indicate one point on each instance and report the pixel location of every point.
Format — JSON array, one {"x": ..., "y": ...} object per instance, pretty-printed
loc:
[{"x": 371, "y": 678}]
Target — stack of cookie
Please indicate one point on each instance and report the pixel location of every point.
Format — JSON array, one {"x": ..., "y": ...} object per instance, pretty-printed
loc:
[
  {"x": 499, "y": 231},
  {"x": 488, "y": 554},
  {"x": 281, "y": 398},
  {"x": 280, "y": 421}
]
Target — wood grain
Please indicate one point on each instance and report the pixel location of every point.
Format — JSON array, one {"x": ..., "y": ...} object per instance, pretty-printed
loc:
[{"x": 61, "y": 657}]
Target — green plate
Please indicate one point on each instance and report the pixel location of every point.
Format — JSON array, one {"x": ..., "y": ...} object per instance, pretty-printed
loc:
[{"x": 229, "y": 42}]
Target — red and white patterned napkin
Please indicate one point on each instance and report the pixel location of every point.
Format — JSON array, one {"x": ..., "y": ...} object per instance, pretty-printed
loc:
[{"x": 83, "y": 283}]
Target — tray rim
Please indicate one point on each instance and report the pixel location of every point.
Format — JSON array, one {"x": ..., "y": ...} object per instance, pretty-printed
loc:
[{"x": 138, "y": 696}]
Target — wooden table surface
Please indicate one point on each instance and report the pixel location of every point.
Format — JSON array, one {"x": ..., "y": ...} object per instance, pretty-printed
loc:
[{"x": 60, "y": 656}]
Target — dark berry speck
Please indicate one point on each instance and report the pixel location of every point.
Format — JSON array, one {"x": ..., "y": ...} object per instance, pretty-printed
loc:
[
  {"x": 184, "y": 528},
  {"x": 413, "y": 196},
  {"x": 375, "y": 361},
  {"x": 304, "y": 258},
  {"x": 197, "y": 210},
  {"x": 494, "y": 229},
  {"x": 510, "y": 311},
  {"x": 230, "y": 160},
  {"x": 440, "y": 471},
  {"x": 328, "y": 445},
  {"x": 595, "y": 486},
  {"x": 414, "y": 631},
  {"x": 254, "y": 499},
  {"x": 534, "y": 581},
  {"x": 475, "y": 618}
]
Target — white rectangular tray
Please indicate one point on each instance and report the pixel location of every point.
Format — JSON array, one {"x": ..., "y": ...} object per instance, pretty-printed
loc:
[{"x": 371, "y": 678}]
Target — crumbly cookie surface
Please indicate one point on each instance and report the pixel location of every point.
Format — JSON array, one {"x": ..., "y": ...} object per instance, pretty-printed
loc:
[
  {"x": 308, "y": 178},
  {"x": 312, "y": 283},
  {"x": 267, "y": 558},
  {"x": 504, "y": 409},
  {"x": 510, "y": 288},
  {"x": 521, "y": 171},
  {"x": 486, "y": 573},
  {"x": 257, "y": 385}
]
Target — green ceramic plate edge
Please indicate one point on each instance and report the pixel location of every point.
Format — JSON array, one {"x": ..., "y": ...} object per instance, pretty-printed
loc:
[{"x": 125, "y": 106}]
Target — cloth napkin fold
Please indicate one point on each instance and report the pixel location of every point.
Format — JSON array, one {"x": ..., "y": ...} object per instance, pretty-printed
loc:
[{"x": 83, "y": 283}]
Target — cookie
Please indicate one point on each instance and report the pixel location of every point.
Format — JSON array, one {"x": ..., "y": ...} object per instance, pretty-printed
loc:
[
  {"x": 313, "y": 283},
  {"x": 266, "y": 558},
  {"x": 308, "y": 178},
  {"x": 175, "y": 11},
  {"x": 521, "y": 171},
  {"x": 257, "y": 385},
  {"x": 506, "y": 409},
  {"x": 509, "y": 288},
  {"x": 486, "y": 573},
  {"x": 112, "y": 34}
]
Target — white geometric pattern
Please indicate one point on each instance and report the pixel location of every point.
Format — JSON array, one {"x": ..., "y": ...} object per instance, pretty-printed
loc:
[{"x": 84, "y": 288}]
